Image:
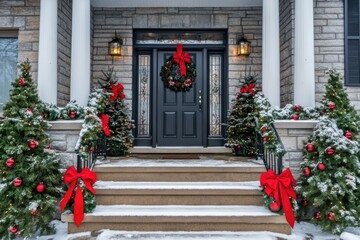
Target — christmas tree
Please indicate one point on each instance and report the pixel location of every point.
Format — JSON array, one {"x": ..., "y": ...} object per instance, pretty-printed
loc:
[
  {"x": 241, "y": 120},
  {"x": 30, "y": 177},
  {"x": 121, "y": 138},
  {"x": 330, "y": 185}
]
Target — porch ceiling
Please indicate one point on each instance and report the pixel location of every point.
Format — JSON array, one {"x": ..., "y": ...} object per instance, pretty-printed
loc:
[{"x": 176, "y": 3}]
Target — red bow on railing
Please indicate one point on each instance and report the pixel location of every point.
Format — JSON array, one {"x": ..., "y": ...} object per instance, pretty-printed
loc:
[
  {"x": 117, "y": 91},
  {"x": 105, "y": 124},
  {"x": 181, "y": 58},
  {"x": 248, "y": 89},
  {"x": 280, "y": 188},
  {"x": 72, "y": 177}
]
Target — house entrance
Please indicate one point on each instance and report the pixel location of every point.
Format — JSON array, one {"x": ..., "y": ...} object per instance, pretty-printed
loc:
[{"x": 167, "y": 118}]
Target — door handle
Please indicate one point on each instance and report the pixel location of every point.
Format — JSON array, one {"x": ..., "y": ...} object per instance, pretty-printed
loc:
[{"x": 200, "y": 100}]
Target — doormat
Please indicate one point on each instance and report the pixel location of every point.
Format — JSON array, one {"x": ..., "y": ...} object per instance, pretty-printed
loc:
[{"x": 180, "y": 156}]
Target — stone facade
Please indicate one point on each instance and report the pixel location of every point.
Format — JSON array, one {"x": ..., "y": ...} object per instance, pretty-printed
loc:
[{"x": 124, "y": 21}]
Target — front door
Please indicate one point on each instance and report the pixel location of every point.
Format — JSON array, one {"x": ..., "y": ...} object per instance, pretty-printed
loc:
[{"x": 180, "y": 114}]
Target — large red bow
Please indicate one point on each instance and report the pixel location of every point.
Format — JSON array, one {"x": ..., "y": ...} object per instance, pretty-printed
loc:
[
  {"x": 280, "y": 188},
  {"x": 105, "y": 124},
  {"x": 248, "y": 89},
  {"x": 181, "y": 58},
  {"x": 117, "y": 91},
  {"x": 72, "y": 177}
]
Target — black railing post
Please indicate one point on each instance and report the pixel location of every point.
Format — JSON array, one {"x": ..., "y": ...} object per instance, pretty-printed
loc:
[{"x": 79, "y": 165}]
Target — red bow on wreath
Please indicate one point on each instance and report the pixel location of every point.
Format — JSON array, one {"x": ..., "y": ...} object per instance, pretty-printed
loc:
[
  {"x": 72, "y": 177},
  {"x": 248, "y": 89},
  {"x": 117, "y": 91},
  {"x": 105, "y": 124},
  {"x": 181, "y": 59},
  {"x": 280, "y": 188}
]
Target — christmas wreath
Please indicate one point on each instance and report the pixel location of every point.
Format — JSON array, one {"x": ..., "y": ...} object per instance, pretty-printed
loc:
[{"x": 179, "y": 71}]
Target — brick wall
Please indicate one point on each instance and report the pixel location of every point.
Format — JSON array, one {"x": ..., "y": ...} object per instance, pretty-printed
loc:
[
  {"x": 24, "y": 16},
  {"x": 106, "y": 21},
  {"x": 64, "y": 51}
]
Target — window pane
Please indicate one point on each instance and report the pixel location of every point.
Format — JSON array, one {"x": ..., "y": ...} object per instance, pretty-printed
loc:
[
  {"x": 8, "y": 62},
  {"x": 353, "y": 17},
  {"x": 144, "y": 95},
  {"x": 353, "y": 62},
  {"x": 215, "y": 94},
  {"x": 180, "y": 37}
]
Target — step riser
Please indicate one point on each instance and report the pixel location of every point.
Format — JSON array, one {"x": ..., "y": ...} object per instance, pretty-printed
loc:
[
  {"x": 177, "y": 177},
  {"x": 168, "y": 226},
  {"x": 178, "y": 200}
]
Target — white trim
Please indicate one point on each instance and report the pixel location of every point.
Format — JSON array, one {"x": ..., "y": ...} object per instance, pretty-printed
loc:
[{"x": 176, "y": 3}]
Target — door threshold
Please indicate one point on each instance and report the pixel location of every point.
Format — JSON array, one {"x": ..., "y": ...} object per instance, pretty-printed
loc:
[{"x": 150, "y": 150}]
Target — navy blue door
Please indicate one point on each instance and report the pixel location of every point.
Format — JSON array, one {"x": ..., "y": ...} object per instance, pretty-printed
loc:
[{"x": 180, "y": 116}]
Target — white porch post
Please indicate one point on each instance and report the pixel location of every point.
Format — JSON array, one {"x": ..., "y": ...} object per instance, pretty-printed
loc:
[
  {"x": 80, "y": 52},
  {"x": 271, "y": 52},
  {"x": 47, "y": 76},
  {"x": 304, "y": 77}
]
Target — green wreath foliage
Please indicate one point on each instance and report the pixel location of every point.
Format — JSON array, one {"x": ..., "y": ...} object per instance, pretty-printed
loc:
[{"x": 170, "y": 75}]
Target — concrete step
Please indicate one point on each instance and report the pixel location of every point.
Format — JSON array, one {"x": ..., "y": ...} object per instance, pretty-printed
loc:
[
  {"x": 172, "y": 150},
  {"x": 189, "y": 170},
  {"x": 178, "y": 193},
  {"x": 180, "y": 218}
]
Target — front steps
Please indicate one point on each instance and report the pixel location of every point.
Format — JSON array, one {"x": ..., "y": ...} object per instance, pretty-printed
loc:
[{"x": 179, "y": 195}]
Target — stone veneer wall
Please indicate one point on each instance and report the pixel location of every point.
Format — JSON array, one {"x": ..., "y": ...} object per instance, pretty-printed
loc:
[
  {"x": 23, "y": 15},
  {"x": 64, "y": 136},
  {"x": 293, "y": 134},
  {"x": 64, "y": 51},
  {"x": 124, "y": 20}
]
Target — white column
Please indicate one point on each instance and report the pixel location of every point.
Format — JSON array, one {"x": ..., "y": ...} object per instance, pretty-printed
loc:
[
  {"x": 304, "y": 77},
  {"x": 271, "y": 52},
  {"x": 80, "y": 52},
  {"x": 47, "y": 75}
]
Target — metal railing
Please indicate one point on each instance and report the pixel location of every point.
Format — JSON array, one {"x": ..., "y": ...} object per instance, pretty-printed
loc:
[
  {"x": 99, "y": 150},
  {"x": 271, "y": 159}
]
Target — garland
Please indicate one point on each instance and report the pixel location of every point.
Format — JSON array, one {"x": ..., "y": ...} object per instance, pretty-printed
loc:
[{"x": 179, "y": 71}]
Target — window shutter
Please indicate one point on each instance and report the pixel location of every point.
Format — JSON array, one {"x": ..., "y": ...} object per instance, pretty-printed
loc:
[{"x": 352, "y": 42}]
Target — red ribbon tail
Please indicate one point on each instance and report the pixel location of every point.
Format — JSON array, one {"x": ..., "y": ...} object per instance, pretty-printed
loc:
[
  {"x": 78, "y": 207},
  {"x": 67, "y": 196},
  {"x": 182, "y": 68},
  {"x": 289, "y": 214}
]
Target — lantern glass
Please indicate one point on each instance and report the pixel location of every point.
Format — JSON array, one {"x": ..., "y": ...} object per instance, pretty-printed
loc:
[
  {"x": 243, "y": 47},
  {"x": 115, "y": 47}
]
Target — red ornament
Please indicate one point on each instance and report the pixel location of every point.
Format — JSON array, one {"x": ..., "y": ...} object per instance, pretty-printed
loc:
[
  {"x": 304, "y": 202},
  {"x": 295, "y": 117},
  {"x": 29, "y": 111},
  {"x": 17, "y": 182},
  {"x": 10, "y": 162},
  {"x": 72, "y": 114},
  {"x": 306, "y": 171},
  {"x": 264, "y": 139},
  {"x": 40, "y": 187},
  {"x": 22, "y": 82},
  {"x": 238, "y": 147},
  {"x": 129, "y": 126},
  {"x": 348, "y": 135},
  {"x": 50, "y": 148},
  {"x": 33, "y": 144},
  {"x": 14, "y": 229},
  {"x": 331, "y": 216},
  {"x": 34, "y": 212},
  {"x": 332, "y": 106},
  {"x": 317, "y": 215},
  {"x": 263, "y": 129},
  {"x": 330, "y": 151},
  {"x": 91, "y": 149},
  {"x": 274, "y": 207},
  {"x": 310, "y": 147},
  {"x": 321, "y": 166},
  {"x": 297, "y": 108}
]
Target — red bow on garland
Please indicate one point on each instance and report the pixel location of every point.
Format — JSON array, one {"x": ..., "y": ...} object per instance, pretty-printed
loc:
[
  {"x": 181, "y": 59},
  {"x": 72, "y": 177},
  {"x": 280, "y": 188},
  {"x": 117, "y": 91},
  {"x": 105, "y": 124},
  {"x": 248, "y": 89}
]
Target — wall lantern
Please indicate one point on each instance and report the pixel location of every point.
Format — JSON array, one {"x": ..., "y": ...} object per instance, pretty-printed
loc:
[
  {"x": 115, "y": 46},
  {"x": 243, "y": 46}
]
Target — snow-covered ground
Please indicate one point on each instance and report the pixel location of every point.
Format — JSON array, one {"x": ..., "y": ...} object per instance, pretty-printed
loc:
[{"x": 301, "y": 231}]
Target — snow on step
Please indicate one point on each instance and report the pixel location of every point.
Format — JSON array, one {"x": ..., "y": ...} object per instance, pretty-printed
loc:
[
  {"x": 250, "y": 185},
  {"x": 181, "y": 211},
  {"x": 135, "y": 162}
]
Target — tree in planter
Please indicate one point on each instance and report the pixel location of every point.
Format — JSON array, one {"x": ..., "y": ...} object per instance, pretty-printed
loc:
[
  {"x": 120, "y": 125},
  {"x": 241, "y": 120},
  {"x": 30, "y": 178}
]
